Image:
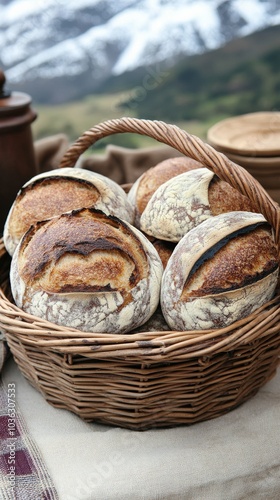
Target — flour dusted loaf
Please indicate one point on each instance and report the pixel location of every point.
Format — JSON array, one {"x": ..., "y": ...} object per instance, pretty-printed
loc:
[
  {"x": 183, "y": 202},
  {"x": 61, "y": 190},
  {"x": 145, "y": 186},
  {"x": 220, "y": 272},
  {"x": 87, "y": 270}
]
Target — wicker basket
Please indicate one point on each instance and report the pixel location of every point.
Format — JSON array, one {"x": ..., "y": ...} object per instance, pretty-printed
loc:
[{"x": 150, "y": 379}]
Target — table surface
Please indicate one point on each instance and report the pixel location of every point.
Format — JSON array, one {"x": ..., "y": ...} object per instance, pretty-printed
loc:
[{"x": 232, "y": 457}]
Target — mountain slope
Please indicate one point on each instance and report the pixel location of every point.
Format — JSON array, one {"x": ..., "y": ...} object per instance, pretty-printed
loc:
[
  {"x": 243, "y": 76},
  {"x": 59, "y": 50},
  {"x": 239, "y": 77}
]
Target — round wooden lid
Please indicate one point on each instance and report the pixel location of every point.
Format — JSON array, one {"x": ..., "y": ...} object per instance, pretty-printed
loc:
[{"x": 250, "y": 134}]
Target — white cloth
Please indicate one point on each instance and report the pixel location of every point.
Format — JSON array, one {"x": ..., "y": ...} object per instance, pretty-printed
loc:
[{"x": 232, "y": 457}]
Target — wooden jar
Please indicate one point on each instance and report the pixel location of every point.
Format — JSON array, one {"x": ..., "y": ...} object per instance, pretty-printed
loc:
[{"x": 17, "y": 157}]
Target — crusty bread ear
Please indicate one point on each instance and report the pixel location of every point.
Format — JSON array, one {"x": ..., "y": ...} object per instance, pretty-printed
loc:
[
  {"x": 87, "y": 270},
  {"x": 52, "y": 193},
  {"x": 220, "y": 272}
]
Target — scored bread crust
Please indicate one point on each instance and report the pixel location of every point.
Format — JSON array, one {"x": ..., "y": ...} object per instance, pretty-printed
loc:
[
  {"x": 145, "y": 186},
  {"x": 87, "y": 270},
  {"x": 178, "y": 205},
  {"x": 61, "y": 190},
  {"x": 192, "y": 297},
  {"x": 188, "y": 199}
]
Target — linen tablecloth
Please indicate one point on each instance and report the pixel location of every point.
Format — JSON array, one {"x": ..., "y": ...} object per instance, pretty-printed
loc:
[{"x": 232, "y": 457}]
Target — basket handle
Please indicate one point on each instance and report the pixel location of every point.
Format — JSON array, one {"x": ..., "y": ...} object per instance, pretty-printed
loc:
[{"x": 190, "y": 146}]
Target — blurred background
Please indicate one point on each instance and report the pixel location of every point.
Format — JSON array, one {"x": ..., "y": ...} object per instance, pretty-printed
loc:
[{"x": 189, "y": 62}]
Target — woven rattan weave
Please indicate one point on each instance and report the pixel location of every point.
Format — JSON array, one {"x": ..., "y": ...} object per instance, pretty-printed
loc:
[{"x": 149, "y": 379}]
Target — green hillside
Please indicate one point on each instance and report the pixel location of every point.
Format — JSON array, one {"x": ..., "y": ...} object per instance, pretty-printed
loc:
[{"x": 241, "y": 77}]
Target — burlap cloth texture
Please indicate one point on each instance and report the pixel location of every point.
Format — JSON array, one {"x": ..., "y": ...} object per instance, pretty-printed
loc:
[{"x": 123, "y": 165}]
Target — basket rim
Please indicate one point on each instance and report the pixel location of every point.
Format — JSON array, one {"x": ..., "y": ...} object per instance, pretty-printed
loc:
[{"x": 38, "y": 332}]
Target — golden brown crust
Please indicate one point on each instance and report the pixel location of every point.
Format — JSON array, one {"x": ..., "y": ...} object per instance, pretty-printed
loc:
[
  {"x": 219, "y": 272},
  {"x": 50, "y": 194},
  {"x": 62, "y": 255},
  {"x": 164, "y": 249},
  {"x": 224, "y": 198},
  {"x": 186, "y": 200},
  {"x": 243, "y": 260},
  {"x": 87, "y": 270},
  {"x": 156, "y": 176},
  {"x": 48, "y": 198}
]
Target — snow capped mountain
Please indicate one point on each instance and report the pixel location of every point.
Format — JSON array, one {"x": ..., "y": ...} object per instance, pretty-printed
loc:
[{"x": 94, "y": 39}]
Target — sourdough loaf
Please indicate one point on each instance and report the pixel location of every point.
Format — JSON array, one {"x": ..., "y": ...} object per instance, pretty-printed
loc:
[
  {"x": 188, "y": 199},
  {"x": 61, "y": 190},
  {"x": 220, "y": 272},
  {"x": 87, "y": 270},
  {"x": 145, "y": 186}
]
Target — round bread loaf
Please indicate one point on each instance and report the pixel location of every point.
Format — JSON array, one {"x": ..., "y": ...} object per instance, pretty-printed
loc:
[
  {"x": 220, "y": 272},
  {"x": 188, "y": 199},
  {"x": 145, "y": 186},
  {"x": 164, "y": 249},
  {"x": 87, "y": 270},
  {"x": 61, "y": 190}
]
